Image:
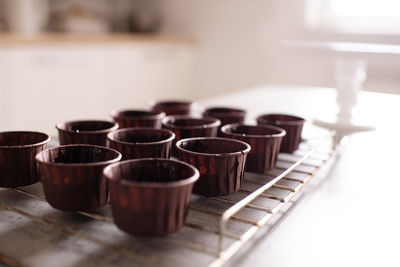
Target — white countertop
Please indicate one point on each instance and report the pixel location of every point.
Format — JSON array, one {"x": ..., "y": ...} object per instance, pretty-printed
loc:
[{"x": 350, "y": 218}]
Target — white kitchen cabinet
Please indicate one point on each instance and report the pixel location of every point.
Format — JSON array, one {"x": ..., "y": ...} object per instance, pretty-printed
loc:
[
  {"x": 140, "y": 73},
  {"x": 42, "y": 84}
]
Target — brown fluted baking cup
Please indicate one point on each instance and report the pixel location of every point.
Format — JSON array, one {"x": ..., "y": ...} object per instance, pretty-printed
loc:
[
  {"x": 85, "y": 132},
  {"x": 293, "y": 126},
  {"x": 137, "y": 118},
  {"x": 135, "y": 143},
  {"x": 72, "y": 176},
  {"x": 187, "y": 127},
  {"x": 150, "y": 197},
  {"x": 17, "y": 157},
  {"x": 264, "y": 140},
  {"x": 226, "y": 115},
  {"x": 172, "y": 107},
  {"x": 220, "y": 162}
]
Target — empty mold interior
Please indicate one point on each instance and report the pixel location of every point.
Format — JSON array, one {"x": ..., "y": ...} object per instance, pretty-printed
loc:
[
  {"x": 135, "y": 113},
  {"x": 141, "y": 136},
  {"x": 278, "y": 118},
  {"x": 87, "y": 126},
  {"x": 151, "y": 171},
  {"x": 252, "y": 130},
  {"x": 213, "y": 146},
  {"x": 78, "y": 154},
  {"x": 174, "y": 104},
  {"x": 225, "y": 111},
  {"x": 188, "y": 122},
  {"x": 21, "y": 138}
]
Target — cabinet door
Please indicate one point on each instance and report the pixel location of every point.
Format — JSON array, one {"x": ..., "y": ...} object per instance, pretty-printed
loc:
[
  {"x": 50, "y": 84},
  {"x": 140, "y": 73},
  {"x": 5, "y": 115},
  {"x": 45, "y": 85}
]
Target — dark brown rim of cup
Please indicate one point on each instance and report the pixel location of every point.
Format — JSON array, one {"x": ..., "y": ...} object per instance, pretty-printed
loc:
[
  {"x": 45, "y": 139},
  {"x": 172, "y": 103},
  {"x": 171, "y": 137},
  {"x": 110, "y": 126},
  {"x": 280, "y": 119},
  {"x": 246, "y": 147},
  {"x": 117, "y": 157},
  {"x": 191, "y": 179},
  {"x": 209, "y": 122},
  {"x": 136, "y": 114},
  {"x": 224, "y": 111},
  {"x": 279, "y": 132}
]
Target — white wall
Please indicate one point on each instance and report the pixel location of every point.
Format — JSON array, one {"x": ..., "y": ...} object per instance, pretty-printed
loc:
[
  {"x": 240, "y": 45},
  {"x": 231, "y": 36}
]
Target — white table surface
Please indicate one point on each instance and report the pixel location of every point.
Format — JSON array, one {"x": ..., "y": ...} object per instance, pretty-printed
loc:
[{"x": 352, "y": 217}]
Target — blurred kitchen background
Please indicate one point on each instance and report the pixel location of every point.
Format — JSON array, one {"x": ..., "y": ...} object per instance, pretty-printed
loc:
[{"x": 70, "y": 59}]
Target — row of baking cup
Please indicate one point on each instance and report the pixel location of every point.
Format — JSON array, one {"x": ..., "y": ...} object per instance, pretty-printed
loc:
[{"x": 97, "y": 163}]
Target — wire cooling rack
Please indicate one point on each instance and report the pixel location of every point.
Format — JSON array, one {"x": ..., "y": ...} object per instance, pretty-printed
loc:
[{"x": 34, "y": 234}]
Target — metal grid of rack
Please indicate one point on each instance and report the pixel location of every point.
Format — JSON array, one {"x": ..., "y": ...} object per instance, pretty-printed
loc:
[{"x": 216, "y": 228}]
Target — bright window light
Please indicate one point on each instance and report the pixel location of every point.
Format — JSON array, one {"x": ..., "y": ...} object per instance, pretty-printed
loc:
[
  {"x": 371, "y": 17},
  {"x": 366, "y": 8}
]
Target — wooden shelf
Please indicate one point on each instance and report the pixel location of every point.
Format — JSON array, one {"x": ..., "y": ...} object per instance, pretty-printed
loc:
[{"x": 110, "y": 38}]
